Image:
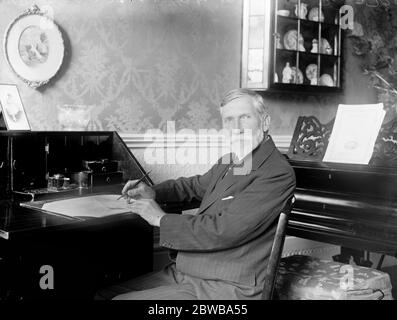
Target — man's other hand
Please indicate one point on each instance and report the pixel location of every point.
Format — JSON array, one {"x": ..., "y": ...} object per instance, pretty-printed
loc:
[
  {"x": 148, "y": 209},
  {"x": 141, "y": 191}
]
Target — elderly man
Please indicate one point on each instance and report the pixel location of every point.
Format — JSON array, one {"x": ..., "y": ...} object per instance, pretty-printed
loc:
[{"x": 223, "y": 249}]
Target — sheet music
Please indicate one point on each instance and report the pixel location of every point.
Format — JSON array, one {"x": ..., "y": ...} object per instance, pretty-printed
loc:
[
  {"x": 354, "y": 133},
  {"x": 97, "y": 206}
]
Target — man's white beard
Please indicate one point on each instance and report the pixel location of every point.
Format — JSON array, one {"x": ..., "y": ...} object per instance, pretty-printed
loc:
[{"x": 242, "y": 144}]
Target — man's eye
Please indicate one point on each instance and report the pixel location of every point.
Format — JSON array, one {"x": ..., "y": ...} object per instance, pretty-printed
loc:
[{"x": 245, "y": 117}]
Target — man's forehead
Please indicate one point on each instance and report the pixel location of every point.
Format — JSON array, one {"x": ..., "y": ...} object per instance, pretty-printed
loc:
[
  {"x": 239, "y": 105},
  {"x": 241, "y": 99}
]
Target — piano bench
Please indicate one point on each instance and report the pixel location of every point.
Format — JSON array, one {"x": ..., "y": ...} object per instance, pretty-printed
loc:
[{"x": 309, "y": 278}]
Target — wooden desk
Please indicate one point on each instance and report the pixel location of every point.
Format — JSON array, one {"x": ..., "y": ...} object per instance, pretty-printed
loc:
[{"x": 85, "y": 255}]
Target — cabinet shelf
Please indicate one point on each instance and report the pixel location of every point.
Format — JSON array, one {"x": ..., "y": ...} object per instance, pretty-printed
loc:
[
  {"x": 268, "y": 64},
  {"x": 303, "y": 88},
  {"x": 314, "y": 23},
  {"x": 324, "y": 55}
]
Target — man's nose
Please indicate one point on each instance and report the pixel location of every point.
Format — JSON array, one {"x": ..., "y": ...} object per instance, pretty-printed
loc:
[{"x": 237, "y": 126}]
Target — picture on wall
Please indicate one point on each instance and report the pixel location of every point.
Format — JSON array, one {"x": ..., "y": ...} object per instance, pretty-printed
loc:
[
  {"x": 34, "y": 47},
  {"x": 12, "y": 108}
]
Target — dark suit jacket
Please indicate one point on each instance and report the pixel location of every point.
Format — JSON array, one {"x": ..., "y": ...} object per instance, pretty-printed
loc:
[{"x": 231, "y": 235}]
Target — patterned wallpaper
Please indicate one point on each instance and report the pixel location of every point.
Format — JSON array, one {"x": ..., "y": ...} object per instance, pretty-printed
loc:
[{"x": 139, "y": 63}]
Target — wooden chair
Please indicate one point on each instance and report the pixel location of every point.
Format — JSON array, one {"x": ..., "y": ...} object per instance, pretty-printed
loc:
[{"x": 277, "y": 250}]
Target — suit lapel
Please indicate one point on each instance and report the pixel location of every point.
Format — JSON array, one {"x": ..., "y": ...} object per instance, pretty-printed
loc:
[
  {"x": 219, "y": 190},
  {"x": 223, "y": 167},
  {"x": 222, "y": 170},
  {"x": 219, "y": 187},
  {"x": 211, "y": 188}
]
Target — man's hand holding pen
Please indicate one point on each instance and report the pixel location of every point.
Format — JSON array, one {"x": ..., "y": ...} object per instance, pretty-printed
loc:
[
  {"x": 141, "y": 199},
  {"x": 138, "y": 191}
]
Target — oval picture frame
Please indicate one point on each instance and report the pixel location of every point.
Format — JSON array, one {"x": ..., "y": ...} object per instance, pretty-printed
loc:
[{"x": 34, "y": 47}]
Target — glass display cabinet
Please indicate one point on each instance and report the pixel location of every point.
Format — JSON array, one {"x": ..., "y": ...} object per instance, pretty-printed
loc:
[{"x": 291, "y": 45}]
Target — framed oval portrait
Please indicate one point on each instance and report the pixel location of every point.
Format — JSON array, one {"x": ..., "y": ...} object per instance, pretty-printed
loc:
[{"x": 34, "y": 47}]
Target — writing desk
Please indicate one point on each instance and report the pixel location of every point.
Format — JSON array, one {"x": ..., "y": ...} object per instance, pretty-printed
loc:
[{"x": 85, "y": 254}]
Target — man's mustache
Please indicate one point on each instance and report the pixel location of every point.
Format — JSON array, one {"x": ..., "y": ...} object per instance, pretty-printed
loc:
[
  {"x": 242, "y": 135},
  {"x": 238, "y": 132}
]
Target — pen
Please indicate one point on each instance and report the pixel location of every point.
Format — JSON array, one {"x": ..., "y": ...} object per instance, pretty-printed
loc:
[{"x": 136, "y": 183}]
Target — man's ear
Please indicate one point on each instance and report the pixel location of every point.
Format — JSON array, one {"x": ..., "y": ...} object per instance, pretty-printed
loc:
[{"x": 266, "y": 123}]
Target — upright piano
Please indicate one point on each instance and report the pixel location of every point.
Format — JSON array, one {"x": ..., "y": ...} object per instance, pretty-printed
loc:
[
  {"x": 354, "y": 206},
  {"x": 84, "y": 254}
]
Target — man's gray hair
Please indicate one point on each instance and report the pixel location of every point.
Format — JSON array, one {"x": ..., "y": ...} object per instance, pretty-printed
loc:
[{"x": 257, "y": 100}]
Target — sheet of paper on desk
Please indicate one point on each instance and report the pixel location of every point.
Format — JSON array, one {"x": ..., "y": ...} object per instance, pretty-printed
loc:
[
  {"x": 354, "y": 133},
  {"x": 93, "y": 206}
]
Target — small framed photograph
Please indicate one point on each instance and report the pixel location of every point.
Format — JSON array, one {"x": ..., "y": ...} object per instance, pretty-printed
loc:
[{"x": 12, "y": 108}]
